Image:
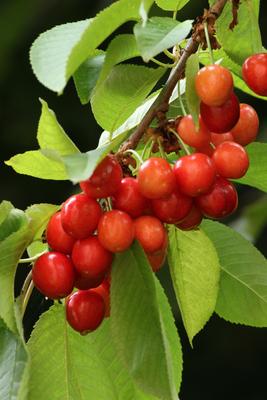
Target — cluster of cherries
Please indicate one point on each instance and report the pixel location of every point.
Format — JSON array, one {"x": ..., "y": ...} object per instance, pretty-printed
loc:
[{"x": 112, "y": 210}]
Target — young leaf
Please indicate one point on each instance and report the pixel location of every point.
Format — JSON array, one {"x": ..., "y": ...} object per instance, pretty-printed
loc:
[
  {"x": 56, "y": 54},
  {"x": 5, "y": 208},
  {"x": 142, "y": 326},
  {"x": 171, "y": 5},
  {"x": 87, "y": 74},
  {"x": 242, "y": 296},
  {"x": 125, "y": 88},
  {"x": 86, "y": 367},
  {"x": 192, "y": 99},
  {"x": 195, "y": 272},
  {"x": 13, "y": 365},
  {"x": 158, "y": 34}
]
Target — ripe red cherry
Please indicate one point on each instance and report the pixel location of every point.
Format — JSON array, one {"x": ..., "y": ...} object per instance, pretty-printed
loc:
[
  {"x": 173, "y": 208},
  {"x": 116, "y": 231},
  {"x": 221, "y": 201},
  {"x": 231, "y": 160},
  {"x": 157, "y": 259},
  {"x": 57, "y": 238},
  {"x": 90, "y": 258},
  {"x": 155, "y": 178},
  {"x": 85, "y": 311},
  {"x": 80, "y": 215},
  {"x": 218, "y": 138},
  {"x": 83, "y": 282},
  {"x": 105, "y": 180},
  {"x": 192, "y": 220},
  {"x": 104, "y": 292},
  {"x": 222, "y": 118},
  {"x": 254, "y": 71},
  {"x": 207, "y": 149},
  {"x": 247, "y": 127},
  {"x": 53, "y": 275},
  {"x": 150, "y": 233},
  {"x": 129, "y": 199},
  {"x": 190, "y": 135},
  {"x": 214, "y": 84},
  {"x": 194, "y": 174}
]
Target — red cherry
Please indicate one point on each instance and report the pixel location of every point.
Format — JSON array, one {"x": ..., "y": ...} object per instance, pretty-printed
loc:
[
  {"x": 254, "y": 71},
  {"x": 173, "y": 208},
  {"x": 90, "y": 258},
  {"x": 116, "y": 231},
  {"x": 80, "y": 215},
  {"x": 157, "y": 259},
  {"x": 105, "y": 180},
  {"x": 214, "y": 84},
  {"x": 83, "y": 282},
  {"x": 223, "y": 118},
  {"x": 150, "y": 233},
  {"x": 155, "y": 178},
  {"x": 104, "y": 292},
  {"x": 190, "y": 135},
  {"x": 221, "y": 201},
  {"x": 247, "y": 127},
  {"x": 53, "y": 275},
  {"x": 85, "y": 311},
  {"x": 56, "y": 236},
  {"x": 218, "y": 138},
  {"x": 194, "y": 174},
  {"x": 192, "y": 220},
  {"x": 206, "y": 149},
  {"x": 231, "y": 160},
  {"x": 129, "y": 199}
]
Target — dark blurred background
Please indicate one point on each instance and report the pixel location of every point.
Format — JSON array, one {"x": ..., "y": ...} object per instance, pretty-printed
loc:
[{"x": 228, "y": 361}]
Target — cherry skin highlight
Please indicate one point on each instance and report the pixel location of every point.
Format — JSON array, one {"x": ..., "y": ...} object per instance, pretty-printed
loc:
[
  {"x": 192, "y": 220},
  {"x": 116, "y": 231},
  {"x": 254, "y": 71},
  {"x": 57, "y": 238},
  {"x": 190, "y": 135},
  {"x": 80, "y": 215},
  {"x": 214, "y": 84},
  {"x": 231, "y": 160},
  {"x": 222, "y": 118},
  {"x": 155, "y": 178},
  {"x": 194, "y": 174},
  {"x": 247, "y": 127},
  {"x": 53, "y": 275},
  {"x": 150, "y": 233},
  {"x": 105, "y": 180},
  {"x": 85, "y": 311},
  {"x": 173, "y": 208}
]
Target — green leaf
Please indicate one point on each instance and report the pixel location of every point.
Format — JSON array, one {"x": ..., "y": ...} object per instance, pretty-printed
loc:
[
  {"x": 171, "y": 5},
  {"x": 192, "y": 99},
  {"x": 39, "y": 215},
  {"x": 195, "y": 273},
  {"x": 125, "y": 88},
  {"x": 247, "y": 29},
  {"x": 158, "y": 34},
  {"x": 256, "y": 175},
  {"x": 87, "y": 74},
  {"x": 13, "y": 365},
  {"x": 66, "y": 365},
  {"x": 5, "y": 208},
  {"x": 242, "y": 296},
  {"x": 142, "y": 326},
  {"x": 56, "y": 54}
]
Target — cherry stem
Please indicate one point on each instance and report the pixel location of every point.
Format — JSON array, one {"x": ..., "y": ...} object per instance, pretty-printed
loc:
[
  {"x": 31, "y": 259},
  {"x": 181, "y": 100},
  {"x": 169, "y": 54},
  {"x": 146, "y": 146},
  {"x": 26, "y": 297},
  {"x": 174, "y": 15},
  {"x": 109, "y": 204},
  {"x": 136, "y": 156},
  {"x": 26, "y": 283},
  {"x": 180, "y": 140},
  {"x": 208, "y": 42},
  {"x": 161, "y": 150},
  {"x": 162, "y": 64}
]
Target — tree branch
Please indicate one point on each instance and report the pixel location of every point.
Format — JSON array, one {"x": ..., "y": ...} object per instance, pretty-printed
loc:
[{"x": 161, "y": 104}]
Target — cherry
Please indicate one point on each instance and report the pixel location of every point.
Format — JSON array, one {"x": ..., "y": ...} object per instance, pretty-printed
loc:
[
  {"x": 192, "y": 220},
  {"x": 173, "y": 208},
  {"x": 214, "y": 84},
  {"x": 192, "y": 136},
  {"x": 83, "y": 282},
  {"x": 231, "y": 160},
  {"x": 80, "y": 215},
  {"x": 155, "y": 178},
  {"x": 129, "y": 199},
  {"x": 56, "y": 236},
  {"x": 221, "y": 201},
  {"x": 150, "y": 233},
  {"x": 105, "y": 180},
  {"x": 218, "y": 138},
  {"x": 206, "y": 149},
  {"x": 254, "y": 71},
  {"x": 85, "y": 311},
  {"x": 53, "y": 275},
  {"x": 194, "y": 174},
  {"x": 91, "y": 259},
  {"x": 247, "y": 127},
  {"x": 157, "y": 258},
  {"x": 104, "y": 291},
  {"x": 221, "y": 119},
  {"x": 116, "y": 231}
]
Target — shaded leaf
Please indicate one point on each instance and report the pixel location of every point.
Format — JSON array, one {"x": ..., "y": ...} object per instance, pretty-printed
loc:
[{"x": 192, "y": 99}]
